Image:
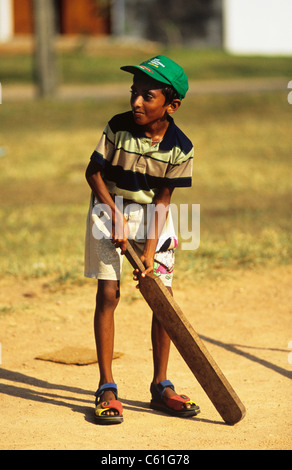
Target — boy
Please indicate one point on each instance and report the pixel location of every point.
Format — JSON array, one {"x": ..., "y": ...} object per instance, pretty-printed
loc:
[{"x": 140, "y": 159}]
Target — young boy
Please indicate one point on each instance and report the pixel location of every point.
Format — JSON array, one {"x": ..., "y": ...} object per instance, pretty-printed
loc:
[{"x": 141, "y": 157}]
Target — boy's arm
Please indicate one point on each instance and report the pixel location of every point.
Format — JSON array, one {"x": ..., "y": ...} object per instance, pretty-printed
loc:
[
  {"x": 119, "y": 223},
  {"x": 161, "y": 202}
]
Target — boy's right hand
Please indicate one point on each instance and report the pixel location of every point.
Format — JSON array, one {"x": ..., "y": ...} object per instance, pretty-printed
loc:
[
  {"x": 149, "y": 267},
  {"x": 120, "y": 234}
]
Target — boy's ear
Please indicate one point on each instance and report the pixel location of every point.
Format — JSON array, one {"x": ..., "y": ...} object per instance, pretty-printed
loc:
[{"x": 173, "y": 106}]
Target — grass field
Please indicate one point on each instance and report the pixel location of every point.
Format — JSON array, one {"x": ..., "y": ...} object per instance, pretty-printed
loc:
[
  {"x": 242, "y": 176},
  {"x": 82, "y": 65}
]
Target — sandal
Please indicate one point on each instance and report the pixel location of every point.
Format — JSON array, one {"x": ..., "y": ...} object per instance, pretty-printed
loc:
[
  {"x": 174, "y": 405},
  {"x": 102, "y": 407}
]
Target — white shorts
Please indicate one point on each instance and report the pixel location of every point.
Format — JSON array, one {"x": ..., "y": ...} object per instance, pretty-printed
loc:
[{"x": 104, "y": 261}]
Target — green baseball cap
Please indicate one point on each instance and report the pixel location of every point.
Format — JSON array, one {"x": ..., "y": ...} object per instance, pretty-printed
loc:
[{"x": 164, "y": 70}]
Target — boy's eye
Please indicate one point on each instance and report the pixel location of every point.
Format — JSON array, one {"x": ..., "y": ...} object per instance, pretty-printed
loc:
[{"x": 147, "y": 97}]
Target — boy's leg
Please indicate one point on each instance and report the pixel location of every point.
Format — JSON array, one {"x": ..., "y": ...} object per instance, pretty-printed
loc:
[
  {"x": 161, "y": 347},
  {"x": 107, "y": 298}
]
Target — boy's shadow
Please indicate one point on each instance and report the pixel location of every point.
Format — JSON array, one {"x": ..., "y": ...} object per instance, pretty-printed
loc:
[{"x": 47, "y": 393}]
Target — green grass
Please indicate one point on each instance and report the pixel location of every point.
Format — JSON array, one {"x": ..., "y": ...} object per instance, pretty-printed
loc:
[
  {"x": 242, "y": 181},
  {"x": 103, "y": 66}
]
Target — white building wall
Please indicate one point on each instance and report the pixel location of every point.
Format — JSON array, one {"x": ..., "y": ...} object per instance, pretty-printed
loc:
[
  {"x": 258, "y": 26},
  {"x": 6, "y": 20}
]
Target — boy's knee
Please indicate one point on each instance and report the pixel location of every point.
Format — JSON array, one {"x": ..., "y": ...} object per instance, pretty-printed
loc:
[{"x": 108, "y": 294}]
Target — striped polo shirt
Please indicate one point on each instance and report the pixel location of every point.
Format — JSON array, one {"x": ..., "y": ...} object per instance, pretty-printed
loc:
[{"x": 134, "y": 168}]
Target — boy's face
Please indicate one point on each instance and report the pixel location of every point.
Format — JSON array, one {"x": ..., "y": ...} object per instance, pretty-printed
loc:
[{"x": 148, "y": 102}]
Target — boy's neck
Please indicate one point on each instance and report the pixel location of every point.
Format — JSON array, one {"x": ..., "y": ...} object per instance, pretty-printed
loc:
[{"x": 157, "y": 130}]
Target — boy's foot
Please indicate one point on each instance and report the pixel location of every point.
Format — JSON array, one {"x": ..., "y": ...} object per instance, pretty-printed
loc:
[
  {"x": 169, "y": 393},
  {"x": 164, "y": 398},
  {"x": 108, "y": 396},
  {"x": 108, "y": 409}
]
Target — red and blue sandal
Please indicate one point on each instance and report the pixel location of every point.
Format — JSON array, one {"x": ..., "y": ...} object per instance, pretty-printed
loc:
[
  {"x": 101, "y": 407},
  {"x": 175, "y": 405}
]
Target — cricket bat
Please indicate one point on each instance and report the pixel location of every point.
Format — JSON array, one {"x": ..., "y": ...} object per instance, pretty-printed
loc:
[{"x": 188, "y": 343}]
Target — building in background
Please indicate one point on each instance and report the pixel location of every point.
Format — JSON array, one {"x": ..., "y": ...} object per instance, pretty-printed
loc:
[
  {"x": 6, "y": 20},
  {"x": 73, "y": 17},
  {"x": 258, "y": 26},
  {"x": 168, "y": 21},
  {"x": 239, "y": 26}
]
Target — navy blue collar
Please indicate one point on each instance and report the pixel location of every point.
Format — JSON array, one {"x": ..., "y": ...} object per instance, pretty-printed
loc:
[{"x": 169, "y": 139}]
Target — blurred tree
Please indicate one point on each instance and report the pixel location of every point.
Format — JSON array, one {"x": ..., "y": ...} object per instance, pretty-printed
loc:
[
  {"x": 172, "y": 22},
  {"x": 45, "y": 54}
]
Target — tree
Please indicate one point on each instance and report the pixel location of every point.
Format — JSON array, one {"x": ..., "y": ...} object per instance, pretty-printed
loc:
[{"x": 45, "y": 54}]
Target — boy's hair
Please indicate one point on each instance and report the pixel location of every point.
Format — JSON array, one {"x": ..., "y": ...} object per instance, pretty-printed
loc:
[{"x": 170, "y": 94}]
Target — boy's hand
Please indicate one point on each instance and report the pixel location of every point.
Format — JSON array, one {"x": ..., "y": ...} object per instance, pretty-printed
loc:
[
  {"x": 148, "y": 263},
  {"x": 149, "y": 268},
  {"x": 120, "y": 234}
]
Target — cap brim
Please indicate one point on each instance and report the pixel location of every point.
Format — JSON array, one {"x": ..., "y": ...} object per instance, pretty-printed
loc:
[{"x": 147, "y": 71}]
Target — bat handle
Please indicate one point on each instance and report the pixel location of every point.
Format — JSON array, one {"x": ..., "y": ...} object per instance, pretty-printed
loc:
[{"x": 133, "y": 258}]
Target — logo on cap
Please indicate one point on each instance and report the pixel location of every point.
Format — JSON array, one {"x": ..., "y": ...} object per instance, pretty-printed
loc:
[{"x": 156, "y": 62}]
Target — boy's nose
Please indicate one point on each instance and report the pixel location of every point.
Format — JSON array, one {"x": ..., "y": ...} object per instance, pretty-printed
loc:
[{"x": 137, "y": 101}]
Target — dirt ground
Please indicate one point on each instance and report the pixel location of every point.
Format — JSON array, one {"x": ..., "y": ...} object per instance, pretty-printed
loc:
[{"x": 244, "y": 320}]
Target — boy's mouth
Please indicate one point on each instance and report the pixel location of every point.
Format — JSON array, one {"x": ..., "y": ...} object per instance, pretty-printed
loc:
[{"x": 137, "y": 115}]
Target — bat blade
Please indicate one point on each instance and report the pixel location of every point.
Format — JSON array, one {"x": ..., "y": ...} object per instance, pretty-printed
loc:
[{"x": 189, "y": 344}]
